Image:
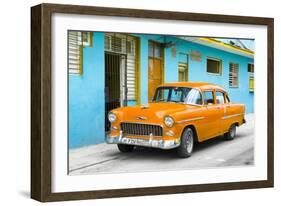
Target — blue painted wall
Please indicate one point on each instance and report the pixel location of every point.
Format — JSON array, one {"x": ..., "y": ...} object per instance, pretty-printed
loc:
[
  {"x": 86, "y": 97},
  {"x": 86, "y": 91}
]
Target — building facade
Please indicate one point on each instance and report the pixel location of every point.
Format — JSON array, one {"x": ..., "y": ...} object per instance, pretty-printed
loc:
[{"x": 108, "y": 70}]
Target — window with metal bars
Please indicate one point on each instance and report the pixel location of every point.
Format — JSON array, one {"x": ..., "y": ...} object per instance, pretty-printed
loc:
[
  {"x": 115, "y": 43},
  {"x": 125, "y": 45},
  {"x": 233, "y": 75}
]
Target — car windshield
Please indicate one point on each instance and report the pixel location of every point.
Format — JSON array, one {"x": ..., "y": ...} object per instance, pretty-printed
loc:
[{"x": 183, "y": 95}]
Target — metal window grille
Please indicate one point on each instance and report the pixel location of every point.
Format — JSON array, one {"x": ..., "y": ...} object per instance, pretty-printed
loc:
[{"x": 233, "y": 75}]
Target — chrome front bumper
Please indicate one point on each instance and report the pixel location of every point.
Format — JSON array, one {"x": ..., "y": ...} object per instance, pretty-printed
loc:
[{"x": 155, "y": 143}]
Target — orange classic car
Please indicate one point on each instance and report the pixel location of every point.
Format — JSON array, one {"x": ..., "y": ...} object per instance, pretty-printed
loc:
[{"x": 179, "y": 115}]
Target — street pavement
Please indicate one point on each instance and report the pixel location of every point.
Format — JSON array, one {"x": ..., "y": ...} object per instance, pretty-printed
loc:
[{"x": 217, "y": 152}]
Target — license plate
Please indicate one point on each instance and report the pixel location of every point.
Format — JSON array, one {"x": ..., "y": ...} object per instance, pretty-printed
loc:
[{"x": 132, "y": 141}]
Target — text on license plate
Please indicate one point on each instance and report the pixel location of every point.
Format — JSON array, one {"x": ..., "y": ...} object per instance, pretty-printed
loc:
[{"x": 132, "y": 141}]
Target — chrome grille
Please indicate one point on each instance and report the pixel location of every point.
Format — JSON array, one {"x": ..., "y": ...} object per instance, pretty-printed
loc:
[{"x": 141, "y": 129}]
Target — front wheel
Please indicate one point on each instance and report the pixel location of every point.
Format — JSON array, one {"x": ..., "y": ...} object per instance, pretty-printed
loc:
[
  {"x": 231, "y": 133},
  {"x": 125, "y": 148},
  {"x": 187, "y": 141}
]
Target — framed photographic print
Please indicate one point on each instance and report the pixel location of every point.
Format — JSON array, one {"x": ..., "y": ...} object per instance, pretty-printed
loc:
[{"x": 130, "y": 102}]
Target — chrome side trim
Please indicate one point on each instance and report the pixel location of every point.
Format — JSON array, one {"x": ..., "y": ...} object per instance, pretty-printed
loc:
[
  {"x": 190, "y": 120},
  {"x": 233, "y": 115}
]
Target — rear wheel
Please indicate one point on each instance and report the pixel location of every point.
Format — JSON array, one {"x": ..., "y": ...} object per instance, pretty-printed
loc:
[
  {"x": 187, "y": 142},
  {"x": 125, "y": 148},
  {"x": 231, "y": 133}
]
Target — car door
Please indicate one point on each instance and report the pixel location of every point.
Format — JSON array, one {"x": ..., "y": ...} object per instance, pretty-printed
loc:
[
  {"x": 221, "y": 107},
  {"x": 229, "y": 112},
  {"x": 212, "y": 116}
]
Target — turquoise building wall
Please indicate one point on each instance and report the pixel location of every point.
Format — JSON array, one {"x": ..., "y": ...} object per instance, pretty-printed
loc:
[
  {"x": 86, "y": 91},
  {"x": 86, "y": 98}
]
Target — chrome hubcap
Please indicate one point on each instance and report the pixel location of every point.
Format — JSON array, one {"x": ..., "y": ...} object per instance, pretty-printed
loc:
[{"x": 189, "y": 142}]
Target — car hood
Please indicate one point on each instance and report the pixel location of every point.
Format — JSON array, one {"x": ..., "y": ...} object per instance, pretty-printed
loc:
[{"x": 150, "y": 112}]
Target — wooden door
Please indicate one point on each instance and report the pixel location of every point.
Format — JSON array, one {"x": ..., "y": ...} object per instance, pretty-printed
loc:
[
  {"x": 154, "y": 76},
  {"x": 155, "y": 68}
]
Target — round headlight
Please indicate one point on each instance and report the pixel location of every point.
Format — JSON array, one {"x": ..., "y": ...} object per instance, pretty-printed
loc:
[
  {"x": 112, "y": 117},
  {"x": 169, "y": 121}
]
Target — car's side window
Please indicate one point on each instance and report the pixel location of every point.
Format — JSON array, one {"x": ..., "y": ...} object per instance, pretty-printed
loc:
[
  {"x": 208, "y": 97},
  {"x": 219, "y": 98}
]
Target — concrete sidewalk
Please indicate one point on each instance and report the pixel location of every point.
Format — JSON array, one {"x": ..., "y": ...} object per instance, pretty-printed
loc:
[{"x": 106, "y": 158}]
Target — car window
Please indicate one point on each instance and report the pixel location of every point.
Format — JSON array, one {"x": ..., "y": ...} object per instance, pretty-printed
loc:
[
  {"x": 193, "y": 97},
  {"x": 163, "y": 94},
  {"x": 208, "y": 97},
  {"x": 219, "y": 98},
  {"x": 176, "y": 95}
]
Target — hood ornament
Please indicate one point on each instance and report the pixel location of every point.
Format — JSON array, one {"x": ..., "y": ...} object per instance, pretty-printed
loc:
[{"x": 141, "y": 118}]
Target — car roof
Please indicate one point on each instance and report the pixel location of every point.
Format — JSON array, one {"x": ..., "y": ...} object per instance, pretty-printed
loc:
[{"x": 199, "y": 85}]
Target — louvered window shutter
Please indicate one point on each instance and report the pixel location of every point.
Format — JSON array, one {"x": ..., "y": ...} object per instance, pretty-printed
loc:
[
  {"x": 75, "y": 52},
  {"x": 131, "y": 69},
  {"x": 233, "y": 75}
]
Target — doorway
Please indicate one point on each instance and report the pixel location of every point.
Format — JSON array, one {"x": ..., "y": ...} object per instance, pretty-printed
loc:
[
  {"x": 113, "y": 80},
  {"x": 121, "y": 71}
]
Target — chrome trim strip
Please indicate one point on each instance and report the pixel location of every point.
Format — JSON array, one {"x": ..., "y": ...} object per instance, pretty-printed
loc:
[
  {"x": 233, "y": 115},
  {"x": 190, "y": 120},
  {"x": 144, "y": 123},
  {"x": 134, "y": 135}
]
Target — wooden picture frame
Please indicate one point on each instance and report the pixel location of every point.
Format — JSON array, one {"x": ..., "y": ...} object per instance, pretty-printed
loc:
[{"x": 41, "y": 118}]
